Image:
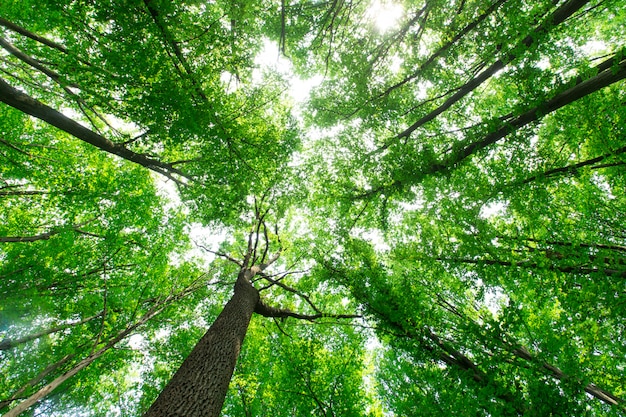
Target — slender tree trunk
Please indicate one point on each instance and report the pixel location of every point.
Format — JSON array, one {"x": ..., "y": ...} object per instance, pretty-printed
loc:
[
  {"x": 46, "y": 390},
  {"x": 49, "y": 369},
  {"x": 199, "y": 386},
  {"x": 7, "y": 343}
]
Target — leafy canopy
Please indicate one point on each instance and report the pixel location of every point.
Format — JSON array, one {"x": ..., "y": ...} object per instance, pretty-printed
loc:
[{"x": 455, "y": 177}]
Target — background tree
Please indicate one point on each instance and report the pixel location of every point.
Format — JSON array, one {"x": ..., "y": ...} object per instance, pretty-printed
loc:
[{"x": 455, "y": 179}]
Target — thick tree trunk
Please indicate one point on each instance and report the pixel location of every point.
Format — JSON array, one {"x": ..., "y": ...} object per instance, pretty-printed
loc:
[{"x": 199, "y": 387}]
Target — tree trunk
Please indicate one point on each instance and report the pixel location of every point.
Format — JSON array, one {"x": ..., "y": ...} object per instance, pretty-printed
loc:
[
  {"x": 8, "y": 343},
  {"x": 35, "y": 108},
  {"x": 34, "y": 381},
  {"x": 199, "y": 386},
  {"x": 46, "y": 390}
]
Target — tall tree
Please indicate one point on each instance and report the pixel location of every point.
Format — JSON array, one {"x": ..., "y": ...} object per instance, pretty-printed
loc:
[{"x": 438, "y": 228}]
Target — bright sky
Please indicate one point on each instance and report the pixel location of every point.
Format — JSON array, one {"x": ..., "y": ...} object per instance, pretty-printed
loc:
[
  {"x": 271, "y": 58},
  {"x": 384, "y": 14}
]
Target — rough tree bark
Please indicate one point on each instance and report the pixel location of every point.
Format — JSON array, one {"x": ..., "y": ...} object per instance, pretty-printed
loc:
[{"x": 199, "y": 386}]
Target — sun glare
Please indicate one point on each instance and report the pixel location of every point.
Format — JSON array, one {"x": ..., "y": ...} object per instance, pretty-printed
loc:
[
  {"x": 385, "y": 15},
  {"x": 270, "y": 57}
]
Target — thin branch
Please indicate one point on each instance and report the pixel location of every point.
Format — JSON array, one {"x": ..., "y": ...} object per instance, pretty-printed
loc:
[
  {"x": 22, "y": 31},
  {"x": 256, "y": 236},
  {"x": 269, "y": 311},
  {"x": 281, "y": 329},
  {"x": 291, "y": 290},
  {"x": 467, "y": 148},
  {"x": 105, "y": 306},
  {"x": 15, "y": 148},
  {"x": 574, "y": 168},
  {"x": 47, "y": 370},
  {"x": 23, "y": 193},
  {"x": 282, "y": 42},
  {"x": 49, "y": 234},
  {"x": 16, "y": 28},
  {"x": 7, "y": 343},
  {"x": 170, "y": 42},
  {"x": 185, "y": 161},
  {"x": 136, "y": 138},
  {"x": 282, "y": 275},
  {"x": 49, "y": 388},
  {"x": 554, "y": 19},
  {"x": 220, "y": 254},
  {"x": 13, "y": 50},
  {"x": 83, "y": 106},
  {"x": 443, "y": 49},
  {"x": 620, "y": 248},
  {"x": 267, "y": 243}
]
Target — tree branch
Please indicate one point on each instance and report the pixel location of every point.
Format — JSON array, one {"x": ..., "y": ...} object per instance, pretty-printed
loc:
[
  {"x": 7, "y": 343},
  {"x": 291, "y": 290},
  {"x": 220, "y": 254},
  {"x": 465, "y": 149},
  {"x": 35, "y": 108},
  {"x": 269, "y": 311},
  {"x": 554, "y": 19}
]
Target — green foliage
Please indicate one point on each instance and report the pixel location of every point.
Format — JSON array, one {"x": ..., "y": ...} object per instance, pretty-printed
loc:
[
  {"x": 290, "y": 368},
  {"x": 455, "y": 177}
]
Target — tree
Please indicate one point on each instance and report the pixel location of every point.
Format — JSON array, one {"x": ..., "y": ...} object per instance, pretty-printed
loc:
[{"x": 438, "y": 229}]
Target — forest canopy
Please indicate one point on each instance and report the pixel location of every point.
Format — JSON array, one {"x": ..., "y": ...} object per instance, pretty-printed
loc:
[{"x": 423, "y": 204}]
